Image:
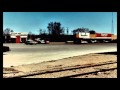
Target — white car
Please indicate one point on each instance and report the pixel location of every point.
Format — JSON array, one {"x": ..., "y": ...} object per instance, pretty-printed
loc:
[
  {"x": 30, "y": 42},
  {"x": 41, "y": 41}
]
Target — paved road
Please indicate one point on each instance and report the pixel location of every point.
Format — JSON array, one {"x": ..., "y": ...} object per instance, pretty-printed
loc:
[{"x": 26, "y": 54}]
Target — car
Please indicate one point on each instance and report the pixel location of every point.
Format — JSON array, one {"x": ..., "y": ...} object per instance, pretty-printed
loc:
[
  {"x": 42, "y": 41},
  {"x": 47, "y": 42},
  {"x": 30, "y": 42},
  {"x": 6, "y": 49}
]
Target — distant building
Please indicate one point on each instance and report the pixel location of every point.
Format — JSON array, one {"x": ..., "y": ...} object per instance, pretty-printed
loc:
[{"x": 20, "y": 37}]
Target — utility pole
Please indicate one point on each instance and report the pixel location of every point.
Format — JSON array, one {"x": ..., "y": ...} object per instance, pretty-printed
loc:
[
  {"x": 67, "y": 31},
  {"x": 112, "y": 29}
]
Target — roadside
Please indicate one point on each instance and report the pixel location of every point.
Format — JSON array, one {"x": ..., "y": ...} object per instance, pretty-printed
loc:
[{"x": 52, "y": 69}]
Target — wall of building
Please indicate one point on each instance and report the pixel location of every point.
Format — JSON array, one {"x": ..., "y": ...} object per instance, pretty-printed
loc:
[{"x": 15, "y": 37}]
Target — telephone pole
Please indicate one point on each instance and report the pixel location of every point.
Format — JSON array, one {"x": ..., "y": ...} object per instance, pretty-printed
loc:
[
  {"x": 67, "y": 31},
  {"x": 112, "y": 29}
]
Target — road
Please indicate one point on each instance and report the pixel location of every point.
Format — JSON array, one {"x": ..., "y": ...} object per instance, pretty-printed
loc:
[{"x": 26, "y": 54}]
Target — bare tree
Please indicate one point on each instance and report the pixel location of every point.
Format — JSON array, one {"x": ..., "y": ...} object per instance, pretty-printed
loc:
[
  {"x": 40, "y": 31},
  {"x": 7, "y": 31},
  {"x": 44, "y": 31},
  {"x": 81, "y": 30},
  {"x": 11, "y": 31},
  {"x": 54, "y": 28},
  {"x": 30, "y": 35}
]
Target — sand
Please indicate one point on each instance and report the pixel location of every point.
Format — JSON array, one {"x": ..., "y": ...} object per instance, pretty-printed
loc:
[{"x": 66, "y": 63}]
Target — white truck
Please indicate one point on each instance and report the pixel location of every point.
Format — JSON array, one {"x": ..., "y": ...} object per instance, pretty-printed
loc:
[{"x": 92, "y": 38}]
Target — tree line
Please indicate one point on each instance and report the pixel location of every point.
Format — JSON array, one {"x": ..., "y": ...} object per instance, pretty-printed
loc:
[{"x": 55, "y": 29}]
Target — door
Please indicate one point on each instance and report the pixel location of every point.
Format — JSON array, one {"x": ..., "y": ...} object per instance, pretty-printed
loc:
[{"x": 17, "y": 39}]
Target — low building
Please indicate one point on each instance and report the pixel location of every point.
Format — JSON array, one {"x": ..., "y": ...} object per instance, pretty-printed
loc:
[{"x": 20, "y": 37}]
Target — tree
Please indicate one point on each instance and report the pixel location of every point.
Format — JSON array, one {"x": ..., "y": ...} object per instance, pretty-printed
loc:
[
  {"x": 7, "y": 31},
  {"x": 54, "y": 28},
  {"x": 44, "y": 32},
  {"x": 80, "y": 30},
  {"x": 11, "y": 31},
  {"x": 92, "y": 31},
  {"x": 63, "y": 31},
  {"x": 30, "y": 35},
  {"x": 40, "y": 31}
]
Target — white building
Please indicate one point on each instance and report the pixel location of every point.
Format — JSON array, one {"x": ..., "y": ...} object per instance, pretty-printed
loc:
[{"x": 18, "y": 37}]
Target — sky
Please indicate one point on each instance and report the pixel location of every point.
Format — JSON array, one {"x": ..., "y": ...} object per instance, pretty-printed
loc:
[{"x": 101, "y": 22}]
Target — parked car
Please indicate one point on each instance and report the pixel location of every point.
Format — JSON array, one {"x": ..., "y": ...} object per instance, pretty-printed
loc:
[
  {"x": 42, "y": 41},
  {"x": 6, "y": 49},
  {"x": 47, "y": 42},
  {"x": 30, "y": 42}
]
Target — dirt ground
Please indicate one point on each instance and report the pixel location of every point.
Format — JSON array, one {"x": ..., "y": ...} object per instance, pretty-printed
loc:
[{"x": 85, "y": 66}]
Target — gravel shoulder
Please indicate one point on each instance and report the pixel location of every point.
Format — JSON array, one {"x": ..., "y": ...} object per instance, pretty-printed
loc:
[{"x": 65, "y": 63}]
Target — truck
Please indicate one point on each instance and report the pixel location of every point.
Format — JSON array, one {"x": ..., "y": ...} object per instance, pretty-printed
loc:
[{"x": 93, "y": 38}]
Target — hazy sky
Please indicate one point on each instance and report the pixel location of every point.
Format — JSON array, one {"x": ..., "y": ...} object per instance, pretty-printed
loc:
[{"x": 33, "y": 21}]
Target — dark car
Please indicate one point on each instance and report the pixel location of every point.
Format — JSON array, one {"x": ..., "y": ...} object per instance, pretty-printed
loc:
[
  {"x": 30, "y": 42},
  {"x": 6, "y": 49}
]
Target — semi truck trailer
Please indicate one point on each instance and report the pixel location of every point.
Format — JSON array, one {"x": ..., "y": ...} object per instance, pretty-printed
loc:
[{"x": 93, "y": 38}]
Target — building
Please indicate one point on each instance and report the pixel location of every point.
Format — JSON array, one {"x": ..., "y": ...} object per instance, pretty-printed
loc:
[{"x": 20, "y": 37}]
